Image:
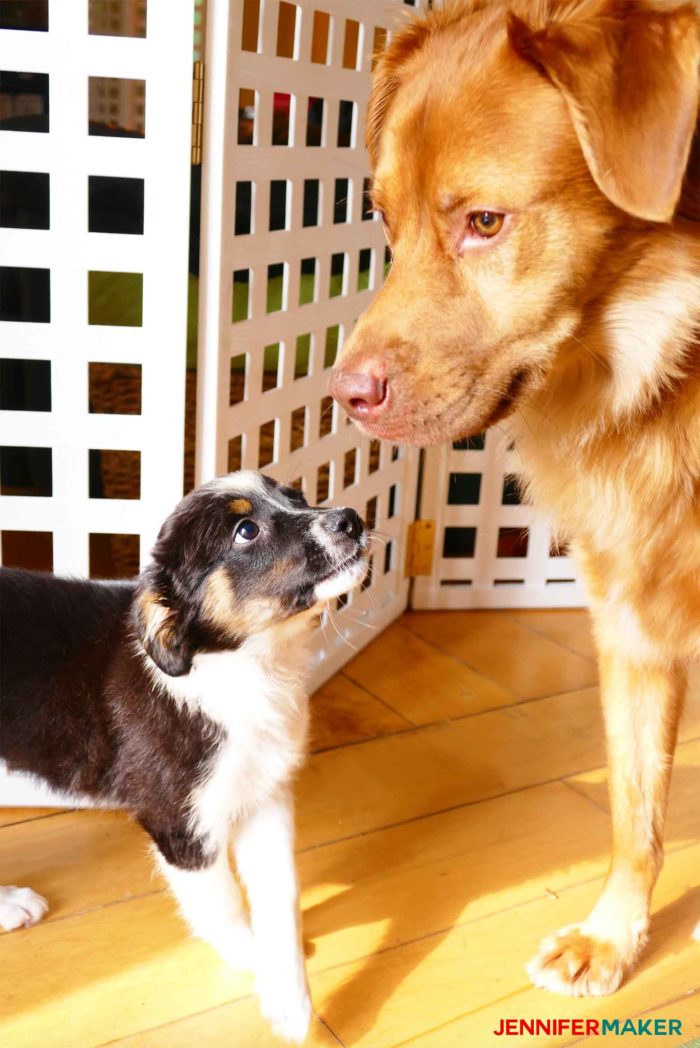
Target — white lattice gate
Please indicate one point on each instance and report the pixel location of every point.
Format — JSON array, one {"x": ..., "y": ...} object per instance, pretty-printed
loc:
[
  {"x": 490, "y": 551},
  {"x": 95, "y": 132},
  {"x": 291, "y": 257}
]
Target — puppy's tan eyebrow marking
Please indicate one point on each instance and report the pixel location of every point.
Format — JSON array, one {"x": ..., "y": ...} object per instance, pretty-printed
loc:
[{"x": 240, "y": 506}]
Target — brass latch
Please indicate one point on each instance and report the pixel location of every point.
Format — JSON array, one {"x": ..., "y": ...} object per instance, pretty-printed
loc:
[
  {"x": 197, "y": 111},
  {"x": 419, "y": 548}
]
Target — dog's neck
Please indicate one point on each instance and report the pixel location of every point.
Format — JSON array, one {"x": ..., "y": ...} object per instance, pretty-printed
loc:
[{"x": 636, "y": 348}]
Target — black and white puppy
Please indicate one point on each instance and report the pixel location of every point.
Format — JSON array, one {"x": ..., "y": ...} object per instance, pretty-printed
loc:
[{"x": 181, "y": 696}]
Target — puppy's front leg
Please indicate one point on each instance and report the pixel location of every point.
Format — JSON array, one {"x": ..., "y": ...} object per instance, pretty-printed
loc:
[
  {"x": 264, "y": 846},
  {"x": 642, "y": 702},
  {"x": 211, "y": 903}
]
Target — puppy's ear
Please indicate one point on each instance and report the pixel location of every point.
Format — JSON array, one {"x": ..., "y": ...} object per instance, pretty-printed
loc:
[
  {"x": 630, "y": 82},
  {"x": 385, "y": 80},
  {"x": 159, "y": 630}
]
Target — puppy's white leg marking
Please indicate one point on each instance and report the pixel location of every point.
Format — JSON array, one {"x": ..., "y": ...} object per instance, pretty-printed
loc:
[
  {"x": 20, "y": 907},
  {"x": 211, "y": 903},
  {"x": 264, "y": 846}
]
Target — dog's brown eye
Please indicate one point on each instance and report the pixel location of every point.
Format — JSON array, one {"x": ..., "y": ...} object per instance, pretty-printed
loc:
[
  {"x": 486, "y": 223},
  {"x": 246, "y": 531}
]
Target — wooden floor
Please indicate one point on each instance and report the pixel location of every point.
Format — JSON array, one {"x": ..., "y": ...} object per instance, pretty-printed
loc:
[{"x": 453, "y": 812}]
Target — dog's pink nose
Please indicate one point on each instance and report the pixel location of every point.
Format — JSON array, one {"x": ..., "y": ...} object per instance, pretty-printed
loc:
[{"x": 362, "y": 394}]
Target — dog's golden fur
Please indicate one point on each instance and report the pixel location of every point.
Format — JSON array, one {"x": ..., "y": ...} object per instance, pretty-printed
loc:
[{"x": 575, "y": 119}]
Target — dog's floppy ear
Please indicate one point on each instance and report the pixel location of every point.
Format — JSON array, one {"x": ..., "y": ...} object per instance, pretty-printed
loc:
[
  {"x": 158, "y": 628},
  {"x": 630, "y": 81},
  {"x": 385, "y": 79}
]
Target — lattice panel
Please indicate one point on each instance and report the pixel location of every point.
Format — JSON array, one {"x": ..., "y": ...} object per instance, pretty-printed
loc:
[
  {"x": 95, "y": 147},
  {"x": 490, "y": 551},
  {"x": 291, "y": 257}
]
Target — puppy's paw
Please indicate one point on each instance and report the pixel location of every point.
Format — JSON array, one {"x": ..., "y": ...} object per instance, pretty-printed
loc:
[
  {"x": 20, "y": 907},
  {"x": 578, "y": 964},
  {"x": 236, "y": 946},
  {"x": 286, "y": 1005}
]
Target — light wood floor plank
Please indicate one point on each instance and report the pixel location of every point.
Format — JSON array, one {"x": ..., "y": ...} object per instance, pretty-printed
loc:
[
  {"x": 402, "y": 669},
  {"x": 496, "y": 645},
  {"x": 452, "y": 990},
  {"x": 342, "y": 712},
  {"x": 568, "y": 627}
]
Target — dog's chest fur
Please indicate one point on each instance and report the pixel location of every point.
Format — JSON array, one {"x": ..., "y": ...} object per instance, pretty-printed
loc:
[{"x": 256, "y": 701}]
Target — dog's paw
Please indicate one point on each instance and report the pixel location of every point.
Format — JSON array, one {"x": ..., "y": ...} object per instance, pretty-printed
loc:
[
  {"x": 578, "y": 964},
  {"x": 20, "y": 907},
  {"x": 696, "y": 933},
  {"x": 287, "y": 1007}
]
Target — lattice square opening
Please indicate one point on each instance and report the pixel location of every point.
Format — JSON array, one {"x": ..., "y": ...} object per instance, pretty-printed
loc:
[
  {"x": 25, "y": 385},
  {"x": 391, "y": 502},
  {"x": 371, "y": 513},
  {"x": 281, "y": 119},
  {"x": 325, "y": 419},
  {"x": 244, "y": 209},
  {"x": 242, "y": 294},
  {"x": 114, "y": 474},
  {"x": 315, "y": 119},
  {"x": 302, "y": 356},
  {"x": 267, "y": 452},
  {"x": 332, "y": 345},
  {"x": 346, "y": 124},
  {"x": 297, "y": 434},
  {"x": 237, "y": 378},
  {"x": 475, "y": 443},
  {"x": 341, "y": 201},
  {"x": 280, "y": 204},
  {"x": 28, "y": 15},
  {"x": 276, "y": 287},
  {"x": 32, "y": 550},
  {"x": 24, "y": 101},
  {"x": 287, "y": 25},
  {"x": 511, "y": 491},
  {"x": 367, "y": 581},
  {"x": 512, "y": 542},
  {"x": 368, "y": 212},
  {"x": 323, "y": 482},
  {"x": 107, "y": 18},
  {"x": 26, "y": 471},
  {"x": 247, "y": 110},
  {"x": 114, "y": 389},
  {"x": 464, "y": 489},
  {"x": 307, "y": 281},
  {"x": 337, "y": 285},
  {"x": 364, "y": 269},
  {"x": 373, "y": 458},
  {"x": 320, "y": 36},
  {"x": 459, "y": 542},
  {"x": 350, "y": 468},
  {"x": 115, "y": 205},
  {"x": 351, "y": 45},
  {"x": 113, "y": 556},
  {"x": 115, "y": 299},
  {"x": 312, "y": 202},
  {"x": 25, "y": 294},
  {"x": 272, "y": 360},
  {"x": 250, "y": 35},
  {"x": 235, "y": 453},
  {"x": 24, "y": 200},
  {"x": 116, "y": 107},
  {"x": 388, "y": 557}
]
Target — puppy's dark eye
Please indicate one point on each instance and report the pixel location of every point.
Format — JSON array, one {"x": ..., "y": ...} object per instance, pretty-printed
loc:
[{"x": 246, "y": 531}]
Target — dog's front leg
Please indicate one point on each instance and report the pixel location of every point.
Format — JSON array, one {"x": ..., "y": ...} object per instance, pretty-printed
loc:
[
  {"x": 211, "y": 903},
  {"x": 264, "y": 846},
  {"x": 642, "y": 702}
]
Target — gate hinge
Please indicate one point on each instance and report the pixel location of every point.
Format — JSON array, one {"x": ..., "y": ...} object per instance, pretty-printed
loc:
[
  {"x": 419, "y": 548},
  {"x": 197, "y": 111}
]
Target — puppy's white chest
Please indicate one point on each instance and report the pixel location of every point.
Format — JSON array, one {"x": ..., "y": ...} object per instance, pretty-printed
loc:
[{"x": 257, "y": 701}]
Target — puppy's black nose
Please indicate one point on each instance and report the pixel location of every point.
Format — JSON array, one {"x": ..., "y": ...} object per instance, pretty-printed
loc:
[{"x": 344, "y": 521}]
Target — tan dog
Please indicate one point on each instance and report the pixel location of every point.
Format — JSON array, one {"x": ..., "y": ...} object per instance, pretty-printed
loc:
[{"x": 529, "y": 159}]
